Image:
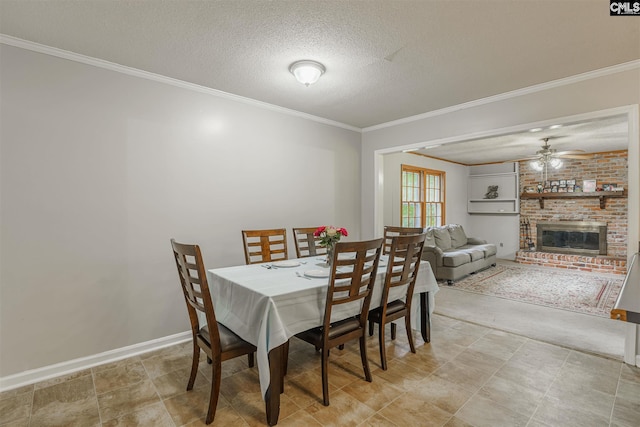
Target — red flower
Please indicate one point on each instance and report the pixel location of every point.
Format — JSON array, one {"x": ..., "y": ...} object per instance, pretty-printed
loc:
[
  {"x": 343, "y": 231},
  {"x": 319, "y": 230}
]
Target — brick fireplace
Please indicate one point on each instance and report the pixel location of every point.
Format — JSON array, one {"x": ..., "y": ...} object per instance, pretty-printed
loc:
[{"x": 605, "y": 168}]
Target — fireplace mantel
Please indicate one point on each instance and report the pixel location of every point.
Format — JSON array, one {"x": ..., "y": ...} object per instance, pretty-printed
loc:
[{"x": 602, "y": 195}]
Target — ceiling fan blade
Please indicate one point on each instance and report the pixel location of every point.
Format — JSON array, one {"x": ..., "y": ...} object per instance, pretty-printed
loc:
[
  {"x": 576, "y": 156},
  {"x": 522, "y": 159},
  {"x": 561, "y": 153}
]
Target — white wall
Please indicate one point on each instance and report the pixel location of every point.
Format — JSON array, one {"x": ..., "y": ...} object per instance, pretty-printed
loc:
[
  {"x": 100, "y": 169},
  {"x": 578, "y": 96},
  {"x": 455, "y": 187},
  {"x": 503, "y": 230}
]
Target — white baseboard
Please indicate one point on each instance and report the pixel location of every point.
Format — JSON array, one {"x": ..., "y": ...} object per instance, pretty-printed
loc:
[{"x": 47, "y": 372}]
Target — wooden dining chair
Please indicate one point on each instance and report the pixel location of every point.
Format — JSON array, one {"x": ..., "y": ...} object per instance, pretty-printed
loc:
[
  {"x": 402, "y": 271},
  {"x": 351, "y": 282},
  {"x": 391, "y": 231},
  {"x": 306, "y": 243},
  {"x": 265, "y": 245},
  {"x": 218, "y": 342}
]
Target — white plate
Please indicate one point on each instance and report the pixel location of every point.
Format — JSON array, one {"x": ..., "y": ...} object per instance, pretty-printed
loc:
[
  {"x": 286, "y": 264},
  {"x": 317, "y": 273}
]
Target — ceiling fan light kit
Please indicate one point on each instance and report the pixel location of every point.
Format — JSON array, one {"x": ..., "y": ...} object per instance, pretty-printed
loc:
[{"x": 540, "y": 164}]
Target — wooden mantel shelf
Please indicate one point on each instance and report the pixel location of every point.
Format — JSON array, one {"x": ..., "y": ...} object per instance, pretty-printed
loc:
[{"x": 602, "y": 195}]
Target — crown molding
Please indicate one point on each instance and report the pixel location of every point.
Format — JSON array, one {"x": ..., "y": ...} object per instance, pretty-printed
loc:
[
  {"x": 626, "y": 66},
  {"x": 65, "y": 54}
]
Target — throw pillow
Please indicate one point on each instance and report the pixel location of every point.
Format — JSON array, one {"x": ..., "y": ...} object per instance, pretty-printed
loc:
[
  {"x": 429, "y": 240},
  {"x": 442, "y": 237},
  {"x": 458, "y": 236}
]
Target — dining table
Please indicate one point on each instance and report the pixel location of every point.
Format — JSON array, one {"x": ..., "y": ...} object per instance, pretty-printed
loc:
[{"x": 266, "y": 304}]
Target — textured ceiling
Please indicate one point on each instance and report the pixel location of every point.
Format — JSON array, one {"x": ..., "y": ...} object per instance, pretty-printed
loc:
[{"x": 385, "y": 60}]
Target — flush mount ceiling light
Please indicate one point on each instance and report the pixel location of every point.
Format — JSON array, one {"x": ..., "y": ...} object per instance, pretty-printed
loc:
[{"x": 307, "y": 72}]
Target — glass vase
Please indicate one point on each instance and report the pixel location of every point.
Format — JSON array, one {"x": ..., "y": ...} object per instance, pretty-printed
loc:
[{"x": 329, "y": 255}]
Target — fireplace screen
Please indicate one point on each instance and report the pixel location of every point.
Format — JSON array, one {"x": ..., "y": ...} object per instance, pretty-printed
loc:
[{"x": 572, "y": 237}]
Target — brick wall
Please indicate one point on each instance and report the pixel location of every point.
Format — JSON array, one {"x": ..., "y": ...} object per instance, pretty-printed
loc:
[
  {"x": 573, "y": 262},
  {"x": 606, "y": 168}
]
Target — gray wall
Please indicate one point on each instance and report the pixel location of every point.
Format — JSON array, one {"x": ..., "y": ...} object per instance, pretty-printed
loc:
[{"x": 100, "y": 169}]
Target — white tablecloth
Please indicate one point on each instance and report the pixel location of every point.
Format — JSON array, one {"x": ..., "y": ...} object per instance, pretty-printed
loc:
[{"x": 266, "y": 307}]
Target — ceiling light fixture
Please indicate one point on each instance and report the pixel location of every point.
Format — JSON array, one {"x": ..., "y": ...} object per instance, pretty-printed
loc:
[
  {"x": 535, "y": 130},
  {"x": 307, "y": 72}
]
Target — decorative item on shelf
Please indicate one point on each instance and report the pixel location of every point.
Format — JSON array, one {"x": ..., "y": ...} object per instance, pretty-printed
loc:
[
  {"x": 329, "y": 236},
  {"x": 589, "y": 185},
  {"x": 540, "y": 188},
  {"x": 529, "y": 190},
  {"x": 492, "y": 192}
]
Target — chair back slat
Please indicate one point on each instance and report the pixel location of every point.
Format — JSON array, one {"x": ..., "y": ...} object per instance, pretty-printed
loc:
[
  {"x": 306, "y": 243},
  {"x": 195, "y": 287},
  {"x": 353, "y": 275},
  {"x": 391, "y": 231},
  {"x": 403, "y": 265},
  {"x": 265, "y": 245}
]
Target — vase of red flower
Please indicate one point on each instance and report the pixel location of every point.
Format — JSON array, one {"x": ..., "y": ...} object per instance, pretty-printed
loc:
[{"x": 329, "y": 236}]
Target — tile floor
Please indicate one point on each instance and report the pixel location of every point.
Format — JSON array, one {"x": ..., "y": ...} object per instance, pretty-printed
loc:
[{"x": 469, "y": 375}]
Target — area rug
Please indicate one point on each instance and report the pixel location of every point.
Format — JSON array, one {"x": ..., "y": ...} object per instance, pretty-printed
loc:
[{"x": 588, "y": 293}]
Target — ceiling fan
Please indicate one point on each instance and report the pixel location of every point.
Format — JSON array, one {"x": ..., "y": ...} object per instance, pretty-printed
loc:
[
  {"x": 552, "y": 157},
  {"x": 549, "y": 157}
]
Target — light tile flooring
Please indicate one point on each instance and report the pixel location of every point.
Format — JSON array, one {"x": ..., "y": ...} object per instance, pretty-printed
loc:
[{"x": 469, "y": 375}]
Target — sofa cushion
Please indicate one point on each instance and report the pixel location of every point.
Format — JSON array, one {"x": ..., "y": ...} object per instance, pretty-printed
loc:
[
  {"x": 489, "y": 249},
  {"x": 442, "y": 238},
  {"x": 454, "y": 258},
  {"x": 458, "y": 237},
  {"x": 429, "y": 240},
  {"x": 474, "y": 252}
]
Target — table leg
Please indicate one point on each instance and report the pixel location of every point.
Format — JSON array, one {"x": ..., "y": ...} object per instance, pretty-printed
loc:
[
  {"x": 272, "y": 396},
  {"x": 425, "y": 321}
]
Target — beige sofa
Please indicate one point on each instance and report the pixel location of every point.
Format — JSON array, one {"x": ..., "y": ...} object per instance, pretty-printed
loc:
[{"x": 453, "y": 255}]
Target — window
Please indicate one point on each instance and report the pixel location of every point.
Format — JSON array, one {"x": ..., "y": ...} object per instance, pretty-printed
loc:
[{"x": 422, "y": 197}]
